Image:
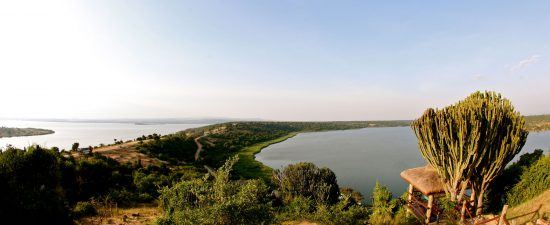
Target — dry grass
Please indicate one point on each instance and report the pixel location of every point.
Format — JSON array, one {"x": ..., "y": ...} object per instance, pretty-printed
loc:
[
  {"x": 529, "y": 206},
  {"x": 125, "y": 153},
  {"x": 301, "y": 222},
  {"x": 142, "y": 214}
]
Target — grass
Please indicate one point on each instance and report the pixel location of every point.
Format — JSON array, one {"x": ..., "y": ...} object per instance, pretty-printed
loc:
[
  {"x": 529, "y": 206},
  {"x": 137, "y": 215},
  {"x": 248, "y": 168}
]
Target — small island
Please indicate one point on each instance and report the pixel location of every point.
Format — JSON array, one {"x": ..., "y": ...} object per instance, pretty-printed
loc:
[{"x": 18, "y": 132}]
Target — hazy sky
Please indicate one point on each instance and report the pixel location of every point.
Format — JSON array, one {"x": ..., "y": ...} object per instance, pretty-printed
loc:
[{"x": 281, "y": 60}]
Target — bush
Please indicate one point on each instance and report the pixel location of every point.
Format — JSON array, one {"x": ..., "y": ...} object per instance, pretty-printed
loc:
[
  {"x": 533, "y": 182},
  {"x": 217, "y": 201},
  {"x": 496, "y": 195},
  {"x": 307, "y": 180},
  {"x": 82, "y": 209},
  {"x": 30, "y": 187},
  {"x": 382, "y": 207}
]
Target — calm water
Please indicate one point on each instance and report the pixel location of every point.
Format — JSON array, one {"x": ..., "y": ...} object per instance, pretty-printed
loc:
[
  {"x": 66, "y": 133},
  {"x": 360, "y": 157}
]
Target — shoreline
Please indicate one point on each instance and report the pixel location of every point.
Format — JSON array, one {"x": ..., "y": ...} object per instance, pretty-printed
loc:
[{"x": 249, "y": 168}]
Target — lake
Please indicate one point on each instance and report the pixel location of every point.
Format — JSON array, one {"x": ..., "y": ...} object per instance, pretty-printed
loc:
[
  {"x": 361, "y": 157},
  {"x": 67, "y": 133}
]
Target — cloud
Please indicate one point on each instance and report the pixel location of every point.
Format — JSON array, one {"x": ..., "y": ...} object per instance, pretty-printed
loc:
[{"x": 525, "y": 63}]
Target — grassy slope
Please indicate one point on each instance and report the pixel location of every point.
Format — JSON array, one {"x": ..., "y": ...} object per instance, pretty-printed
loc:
[
  {"x": 529, "y": 206},
  {"x": 247, "y": 167}
]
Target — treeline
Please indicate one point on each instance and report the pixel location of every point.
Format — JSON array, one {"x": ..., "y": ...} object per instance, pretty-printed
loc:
[{"x": 173, "y": 148}]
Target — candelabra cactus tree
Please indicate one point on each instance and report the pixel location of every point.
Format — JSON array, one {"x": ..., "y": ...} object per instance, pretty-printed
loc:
[{"x": 471, "y": 142}]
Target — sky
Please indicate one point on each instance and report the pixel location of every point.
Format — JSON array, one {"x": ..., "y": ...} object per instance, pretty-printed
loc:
[{"x": 273, "y": 60}]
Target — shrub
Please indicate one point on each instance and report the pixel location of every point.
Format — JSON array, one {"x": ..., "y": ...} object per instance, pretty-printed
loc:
[
  {"x": 533, "y": 182},
  {"x": 217, "y": 201},
  {"x": 30, "y": 190},
  {"x": 307, "y": 180},
  {"x": 382, "y": 207},
  {"x": 84, "y": 209},
  {"x": 496, "y": 196}
]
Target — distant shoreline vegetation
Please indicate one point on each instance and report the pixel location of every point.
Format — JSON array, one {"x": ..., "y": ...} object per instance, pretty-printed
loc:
[{"x": 20, "y": 132}]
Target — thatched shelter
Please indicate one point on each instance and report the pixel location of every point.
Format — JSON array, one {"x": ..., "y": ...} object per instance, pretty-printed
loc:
[
  {"x": 424, "y": 185},
  {"x": 424, "y": 179}
]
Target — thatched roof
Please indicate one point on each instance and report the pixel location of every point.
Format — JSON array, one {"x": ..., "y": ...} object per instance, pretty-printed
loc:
[{"x": 425, "y": 179}]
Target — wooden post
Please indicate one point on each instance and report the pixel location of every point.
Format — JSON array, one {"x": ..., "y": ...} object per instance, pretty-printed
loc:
[
  {"x": 409, "y": 198},
  {"x": 429, "y": 209},
  {"x": 503, "y": 215},
  {"x": 536, "y": 213},
  {"x": 463, "y": 210}
]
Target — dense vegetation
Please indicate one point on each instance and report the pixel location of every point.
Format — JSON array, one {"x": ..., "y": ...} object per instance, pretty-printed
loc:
[
  {"x": 302, "y": 191},
  {"x": 497, "y": 195},
  {"x": 56, "y": 187},
  {"x": 16, "y": 132},
  {"x": 534, "y": 181},
  {"x": 48, "y": 184},
  {"x": 172, "y": 148}
]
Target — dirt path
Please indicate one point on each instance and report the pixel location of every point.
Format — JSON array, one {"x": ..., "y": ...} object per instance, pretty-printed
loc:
[{"x": 199, "y": 147}]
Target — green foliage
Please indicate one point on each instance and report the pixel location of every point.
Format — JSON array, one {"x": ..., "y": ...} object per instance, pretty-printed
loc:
[
  {"x": 307, "y": 180},
  {"x": 344, "y": 212},
  {"x": 171, "y": 148},
  {"x": 47, "y": 184},
  {"x": 217, "y": 201},
  {"x": 82, "y": 209},
  {"x": 533, "y": 181},
  {"x": 386, "y": 210},
  {"x": 471, "y": 141},
  {"x": 354, "y": 196},
  {"x": 30, "y": 184},
  {"x": 382, "y": 205},
  {"x": 248, "y": 168},
  {"x": 496, "y": 195},
  {"x": 75, "y": 146}
]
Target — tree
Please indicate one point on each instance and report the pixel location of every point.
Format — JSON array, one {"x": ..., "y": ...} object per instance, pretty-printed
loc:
[
  {"x": 382, "y": 205},
  {"x": 30, "y": 190},
  {"x": 307, "y": 180},
  {"x": 471, "y": 142},
  {"x": 75, "y": 146}
]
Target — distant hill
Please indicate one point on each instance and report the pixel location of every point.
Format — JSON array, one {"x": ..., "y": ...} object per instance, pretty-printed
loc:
[
  {"x": 17, "y": 132},
  {"x": 538, "y": 122}
]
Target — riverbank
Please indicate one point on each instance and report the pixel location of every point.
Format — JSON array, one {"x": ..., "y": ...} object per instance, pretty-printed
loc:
[{"x": 248, "y": 167}]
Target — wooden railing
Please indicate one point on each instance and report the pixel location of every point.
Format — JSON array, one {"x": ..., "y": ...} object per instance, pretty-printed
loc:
[
  {"x": 536, "y": 214},
  {"x": 501, "y": 218}
]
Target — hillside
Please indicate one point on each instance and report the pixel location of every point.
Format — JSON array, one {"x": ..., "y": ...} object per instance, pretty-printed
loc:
[
  {"x": 538, "y": 122},
  {"x": 17, "y": 132}
]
